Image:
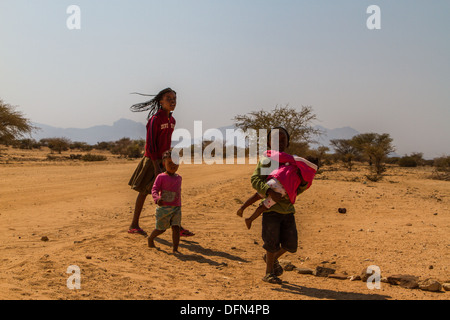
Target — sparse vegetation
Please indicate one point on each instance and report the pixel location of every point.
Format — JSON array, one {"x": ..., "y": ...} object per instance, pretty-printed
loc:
[
  {"x": 58, "y": 144},
  {"x": 93, "y": 157},
  {"x": 442, "y": 168},
  {"x": 13, "y": 124},
  {"x": 346, "y": 151}
]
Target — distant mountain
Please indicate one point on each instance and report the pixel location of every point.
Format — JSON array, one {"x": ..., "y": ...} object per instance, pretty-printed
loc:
[
  {"x": 332, "y": 134},
  {"x": 122, "y": 128},
  {"x": 125, "y": 128}
]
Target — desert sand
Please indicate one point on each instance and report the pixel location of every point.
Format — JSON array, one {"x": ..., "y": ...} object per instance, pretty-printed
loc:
[{"x": 400, "y": 224}]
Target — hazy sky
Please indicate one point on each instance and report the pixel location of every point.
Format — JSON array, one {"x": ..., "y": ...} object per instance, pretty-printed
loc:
[{"x": 231, "y": 57}]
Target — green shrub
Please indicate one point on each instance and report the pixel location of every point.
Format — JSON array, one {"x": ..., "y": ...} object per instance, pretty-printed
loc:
[
  {"x": 76, "y": 156},
  {"x": 93, "y": 157},
  {"x": 442, "y": 163},
  {"x": 407, "y": 161}
]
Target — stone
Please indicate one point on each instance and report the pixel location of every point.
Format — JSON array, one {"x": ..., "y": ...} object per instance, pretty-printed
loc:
[
  {"x": 404, "y": 280},
  {"x": 342, "y": 210},
  {"x": 430, "y": 285},
  {"x": 365, "y": 276},
  {"x": 44, "y": 238},
  {"x": 286, "y": 265},
  {"x": 339, "y": 276},
  {"x": 355, "y": 278},
  {"x": 446, "y": 286},
  {"x": 304, "y": 270},
  {"x": 323, "y": 271}
]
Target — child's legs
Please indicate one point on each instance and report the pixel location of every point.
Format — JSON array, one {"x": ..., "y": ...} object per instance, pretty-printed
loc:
[
  {"x": 261, "y": 208},
  {"x": 140, "y": 200},
  {"x": 162, "y": 223},
  {"x": 289, "y": 233},
  {"x": 255, "y": 215},
  {"x": 175, "y": 222},
  {"x": 271, "y": 236},
  {"x": 175, "y": 237},
  {"x": 251, "y": 201},
  {"x": 152, "y": 237},
  {"x": 271, "y": 257},
  {"x": 142, "y": 181}
]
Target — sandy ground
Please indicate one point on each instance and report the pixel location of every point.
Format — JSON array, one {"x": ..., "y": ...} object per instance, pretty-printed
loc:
[{"x": 400, "y": 224}]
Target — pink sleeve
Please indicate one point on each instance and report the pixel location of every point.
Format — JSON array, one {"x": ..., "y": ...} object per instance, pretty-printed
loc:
[{"x": 156, "y": 189}]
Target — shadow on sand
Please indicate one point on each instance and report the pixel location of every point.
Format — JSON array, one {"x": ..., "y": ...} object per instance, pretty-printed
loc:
[
  {"x": 327, "y": 294},
  {"x": 200, "y": 253}
]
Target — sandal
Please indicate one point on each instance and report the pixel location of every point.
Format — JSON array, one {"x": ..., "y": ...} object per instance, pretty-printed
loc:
[
  {"x": 137, "y": 231},
  {"x": 277, "y": 268},
  {"x": 186, "y": 233},
  {"x": 272, "y": 278}
]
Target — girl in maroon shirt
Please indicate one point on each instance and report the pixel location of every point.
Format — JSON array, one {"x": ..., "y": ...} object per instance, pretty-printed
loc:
[{"x": 160, "y": 127}]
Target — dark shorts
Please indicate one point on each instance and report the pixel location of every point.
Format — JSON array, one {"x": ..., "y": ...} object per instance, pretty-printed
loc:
[{"x": 279, "y": 231}]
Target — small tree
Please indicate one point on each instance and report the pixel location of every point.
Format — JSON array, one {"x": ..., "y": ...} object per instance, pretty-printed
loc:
[
  {"x": 407, "y": 161},
  {"x": 13, "y": 124},
  {"x": 126, "y": 147},
  {"x": 58, "y": 144},
  {"x": 83, "y": 146},
  {"x": 376, "y": 147},
  {"x": 27, "y": 144},
  {"x": 135, "y": 149},
  {"x": 442, "y": 168},
  {"x": 104, "y": 145},
  {"x": 346, "y": 151}
]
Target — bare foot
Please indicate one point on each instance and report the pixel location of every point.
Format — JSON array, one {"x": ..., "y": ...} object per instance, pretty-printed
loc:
[
  {"x": 240, "y": 212},
  {"x": 151, "y": 243},
  {"x": 248, "y": 223}
]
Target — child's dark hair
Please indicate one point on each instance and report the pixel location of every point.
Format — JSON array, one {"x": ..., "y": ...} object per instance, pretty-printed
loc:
[
  {"x": 279, "y": 128},
  {"x": 314, "y": 160},
  {"x": 153, "y": 105},
  {"x": 167, "y": 155}
]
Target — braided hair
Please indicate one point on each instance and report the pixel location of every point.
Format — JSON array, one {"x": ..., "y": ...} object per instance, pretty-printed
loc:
[{"x": 153, "y": 105}]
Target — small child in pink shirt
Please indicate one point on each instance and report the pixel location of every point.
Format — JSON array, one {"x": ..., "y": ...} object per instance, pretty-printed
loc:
[{"x": 166, "y": 193}]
